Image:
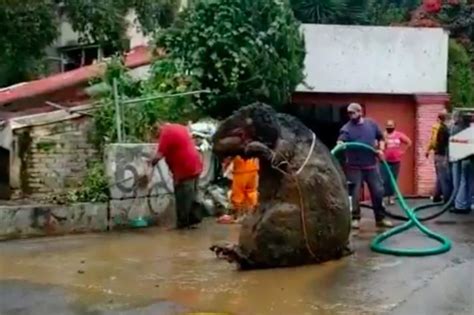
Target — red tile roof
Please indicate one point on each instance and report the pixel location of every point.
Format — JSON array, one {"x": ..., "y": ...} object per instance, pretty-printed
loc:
[{"x": 137, "y": 57}]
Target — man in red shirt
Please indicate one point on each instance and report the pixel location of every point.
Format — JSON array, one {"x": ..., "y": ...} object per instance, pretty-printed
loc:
[{"x": 177, "y": 147}]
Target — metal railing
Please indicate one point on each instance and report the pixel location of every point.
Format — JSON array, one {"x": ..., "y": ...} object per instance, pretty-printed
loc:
[{"x": 119, "y": 102}]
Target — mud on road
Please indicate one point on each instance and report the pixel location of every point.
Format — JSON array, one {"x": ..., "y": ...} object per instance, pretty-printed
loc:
[{"x": 169, "y": 272}]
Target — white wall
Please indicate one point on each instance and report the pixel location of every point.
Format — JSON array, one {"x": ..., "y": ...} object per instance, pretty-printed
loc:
[
  {"x": 69, "y": 37},
  {"x": 361, "y": 59},
  {"x": 134, "y": 33},
  {"x": 137, "y": 38},
  {"x": 66, "y": 34}
]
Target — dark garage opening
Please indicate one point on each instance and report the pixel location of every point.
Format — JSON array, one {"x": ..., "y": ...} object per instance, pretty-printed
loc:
[{"x": 324, "y": 120}]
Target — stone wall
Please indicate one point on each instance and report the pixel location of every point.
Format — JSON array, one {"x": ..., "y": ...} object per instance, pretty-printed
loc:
[
  {"x": 23, "y": 219},
  {"x": 51, "y": 158},
  {"x": 18, "y": 221}
]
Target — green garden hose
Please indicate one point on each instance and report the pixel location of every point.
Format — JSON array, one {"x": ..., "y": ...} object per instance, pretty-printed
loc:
[{"x": 377, "y": 243}]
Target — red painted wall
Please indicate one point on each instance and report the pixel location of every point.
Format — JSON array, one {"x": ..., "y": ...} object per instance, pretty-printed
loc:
[{"x": 401, "y": 108}]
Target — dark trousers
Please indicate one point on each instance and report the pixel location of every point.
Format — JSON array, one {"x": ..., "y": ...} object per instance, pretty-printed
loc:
[
  {"x": 387, "y": 184},
  {"x": 188, "y": 212},
  {"x": 437, "y": 193},
  {"x": 374, "y": 181},
  {"x": 443, "y": 175}
]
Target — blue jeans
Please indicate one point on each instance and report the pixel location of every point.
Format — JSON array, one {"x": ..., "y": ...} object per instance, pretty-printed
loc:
[
  {"x": 374, "y": 182},
  {"x": 463, "y": 179},
  {"x": 443, "y": 175}
]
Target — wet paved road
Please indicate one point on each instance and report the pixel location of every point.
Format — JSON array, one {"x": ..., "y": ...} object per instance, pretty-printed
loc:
[{"x": 168, "y": 272}]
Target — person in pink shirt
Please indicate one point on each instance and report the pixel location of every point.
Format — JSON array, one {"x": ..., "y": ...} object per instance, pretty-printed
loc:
[{"x": 396, "y": 144}]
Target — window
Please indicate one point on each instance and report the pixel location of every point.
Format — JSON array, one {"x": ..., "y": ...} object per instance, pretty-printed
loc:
[{"x": 79, "y": 56}]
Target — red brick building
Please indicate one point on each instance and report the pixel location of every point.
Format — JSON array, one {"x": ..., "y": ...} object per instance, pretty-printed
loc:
[
  {"x": 395, "y": 73},
  {"x": 415, "y": 114}
]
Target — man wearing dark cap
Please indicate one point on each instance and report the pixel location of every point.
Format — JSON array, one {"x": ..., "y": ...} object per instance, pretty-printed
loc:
[{"x": 361, "y": 164}]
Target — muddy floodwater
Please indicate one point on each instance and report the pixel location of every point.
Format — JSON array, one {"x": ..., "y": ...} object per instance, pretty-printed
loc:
[{"x": 154, "y": 271}]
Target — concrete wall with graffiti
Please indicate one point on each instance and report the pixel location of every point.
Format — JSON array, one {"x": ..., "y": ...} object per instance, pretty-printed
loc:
[{"x": 136, "y": 189}]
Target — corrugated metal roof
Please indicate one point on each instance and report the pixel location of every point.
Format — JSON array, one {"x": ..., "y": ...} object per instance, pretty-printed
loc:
[{"x": 137, "y": 57}]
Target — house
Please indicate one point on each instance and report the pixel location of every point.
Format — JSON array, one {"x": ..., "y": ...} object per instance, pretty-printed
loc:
[
  {"x": 43, "y": 149},
  {"x": 68, "y": 52},
  {"x": 396, "y": 73},
  {"x": 67, "y": 88},
  {"x": 45, "y": 154}
]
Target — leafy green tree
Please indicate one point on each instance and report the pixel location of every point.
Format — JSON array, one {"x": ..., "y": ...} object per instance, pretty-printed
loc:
[
  {"x": 138, "y": 119},
  {"x": 153, "y": 14},
  {"x": 104, "y": 21},
  {"x": 371, "y": 12},
  {"x": 241, "y": 50},
  {"x": 385, "y": 13},
  {"x": 330, "y": 11},
  {"x": 28, "y": 27},
  {"x": 389, "y": 12},
  {"x": 458, "y": 18},
  {"x": 460, "y": 76}
]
